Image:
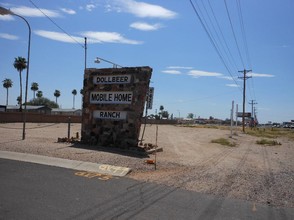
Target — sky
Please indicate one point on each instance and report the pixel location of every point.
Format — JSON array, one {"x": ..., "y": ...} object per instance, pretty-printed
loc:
[{"x": 198, "y": 50}]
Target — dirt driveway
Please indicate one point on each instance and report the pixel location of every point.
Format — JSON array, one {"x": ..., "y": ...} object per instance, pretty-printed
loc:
[
  {"x": 261, "y": 174},
  {"x": 248, "y": 171}
]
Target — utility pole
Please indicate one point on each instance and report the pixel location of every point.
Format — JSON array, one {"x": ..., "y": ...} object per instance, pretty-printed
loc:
[
  {"x": 236, "y": 115},
  {"x": 252, "y": 103},
  {"x": 232, "y": 119},
  {"x": 244, "y": 92},
  {"x": 255, "y": 112}
]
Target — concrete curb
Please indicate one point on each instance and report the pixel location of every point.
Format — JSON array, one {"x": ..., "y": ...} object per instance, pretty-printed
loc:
[{"x": 65, "y": 163}]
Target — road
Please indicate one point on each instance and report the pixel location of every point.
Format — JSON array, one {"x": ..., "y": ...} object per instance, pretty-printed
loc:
[{"x": 34, "y": 191}]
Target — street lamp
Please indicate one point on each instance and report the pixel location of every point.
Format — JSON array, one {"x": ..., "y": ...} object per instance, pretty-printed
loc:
[
  {"x": 98, "y": 60},
  {"x": 4, "y": 11}
]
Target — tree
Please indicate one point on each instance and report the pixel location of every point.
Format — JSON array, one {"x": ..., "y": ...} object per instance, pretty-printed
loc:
[
  {"x": 43, "y": 101},
  {"x": 57, "y": 94},
  {"x": 39, "y": 94},
  {"x": 74, "y": 92},
  {"x": 190, "y": 115},
  {"x": 34, "y": 88},
  {"x": 18, "y": 100},
  {"x": 7, "y": 83},
  {"x": 82, "y": 92},
  {"x": 164, "y": 114},
  {"x": 20, "y": 64},
  {"x": 161, "y": 108}
]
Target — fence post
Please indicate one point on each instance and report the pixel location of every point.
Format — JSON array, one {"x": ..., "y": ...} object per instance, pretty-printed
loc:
[{"x": 68, "y": 129}]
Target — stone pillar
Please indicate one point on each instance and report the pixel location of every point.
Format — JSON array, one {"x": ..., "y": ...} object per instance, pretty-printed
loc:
[{"x": 113, "y": 105}]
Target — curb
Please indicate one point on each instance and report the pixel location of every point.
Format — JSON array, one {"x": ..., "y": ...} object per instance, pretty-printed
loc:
[{"x": 65, "y": 163}]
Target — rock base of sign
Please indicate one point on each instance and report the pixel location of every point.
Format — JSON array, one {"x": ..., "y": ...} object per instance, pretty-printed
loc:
[{"x": 113, "y": 105}]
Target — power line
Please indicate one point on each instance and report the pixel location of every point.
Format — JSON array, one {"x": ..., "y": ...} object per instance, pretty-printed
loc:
[
  {"x": 58, "y": 26},
  {"x": 235, "y": 38},
  {"x": 243, "y": 33},
  {"x": 211, "y": 39},
  {"x": 222, "y": 35}
]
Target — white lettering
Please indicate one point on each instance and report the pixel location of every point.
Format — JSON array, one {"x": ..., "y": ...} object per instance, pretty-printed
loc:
[
  {"x": 117, "y": 79},
  {"x": 114, "y": 115},
  {"x": 111, "y": 97}
]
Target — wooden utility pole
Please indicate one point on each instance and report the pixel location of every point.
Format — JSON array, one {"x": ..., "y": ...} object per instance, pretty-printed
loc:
[
  {"x": 252, "y": 103},
  {"x": 244, "y": 92},
  {"x": 236, "y": 115}
]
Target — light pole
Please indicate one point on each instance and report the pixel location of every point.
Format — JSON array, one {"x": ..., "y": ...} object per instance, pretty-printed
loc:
[
  {"x": 4, "y": 11},
  {"x": 98, "y": 60}
]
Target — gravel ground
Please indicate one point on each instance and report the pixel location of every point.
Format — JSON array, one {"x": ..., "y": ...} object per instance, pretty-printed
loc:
[{"x": 261, "y": 174}]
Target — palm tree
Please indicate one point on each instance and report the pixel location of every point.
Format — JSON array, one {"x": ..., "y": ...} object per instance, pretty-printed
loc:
[
  {"x": 20, "y": 64},
  {"x": 57, "y": 94},
  {"x": 34, "y": 88},
  {"x": 18, "y": 100},
  {"x": 74, "y": 92},
  {"x": 7, "y": 83},
  {"x": 39, "y": 94},
  {"x": 82, "y": 93},
  {"x": 161, "y": 108}
]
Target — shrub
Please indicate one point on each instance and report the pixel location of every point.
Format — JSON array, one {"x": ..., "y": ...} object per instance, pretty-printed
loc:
[
  {"x": 268, "y": 142},
  {"x": 224, "y": 141}
]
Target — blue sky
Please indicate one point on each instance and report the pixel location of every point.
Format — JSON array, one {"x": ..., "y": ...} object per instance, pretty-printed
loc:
[{"x": 189, "y": 75}]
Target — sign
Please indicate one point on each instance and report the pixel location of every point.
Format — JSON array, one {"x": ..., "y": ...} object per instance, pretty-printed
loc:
[
  {"x": 111, "y": 97},
  {"x": 112, "y": 79},
  {"x": 113, "y": 104},
  {"x": 149, "y": 98},
  {"x": 246, "y": 114},
  {"x": 107, "y": 114}
]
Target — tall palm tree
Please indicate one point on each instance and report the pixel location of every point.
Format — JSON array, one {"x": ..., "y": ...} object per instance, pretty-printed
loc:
[
  {"x": 20, "y": 64},
  {"x": 57, "y": 94},
  {"x": 82, "y": 93},
  {"x": 74, "y": 92},
  {"x": 18, "y": 100},
  {"x": 39, "y": 94},
  {"x": 34, "y": 88},
  {"x": 161, "y": 108},
  {"x": 7, "y": 83}
]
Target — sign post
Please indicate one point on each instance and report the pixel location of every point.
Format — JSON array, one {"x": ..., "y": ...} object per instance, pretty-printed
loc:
[{"x": 149, "y": 102}]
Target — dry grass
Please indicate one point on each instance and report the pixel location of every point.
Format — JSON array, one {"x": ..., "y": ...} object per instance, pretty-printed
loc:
[
  {"x": 271, "y": 133},
  {"x": 224, "y": 141},
  {"x": 268, "y": 142}
]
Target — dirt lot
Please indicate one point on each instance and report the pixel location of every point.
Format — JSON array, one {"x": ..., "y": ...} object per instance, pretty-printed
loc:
[{"x": 261, "y": 174}]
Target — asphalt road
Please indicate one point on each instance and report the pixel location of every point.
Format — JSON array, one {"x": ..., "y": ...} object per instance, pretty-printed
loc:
[{"x": 33, "y": 191}]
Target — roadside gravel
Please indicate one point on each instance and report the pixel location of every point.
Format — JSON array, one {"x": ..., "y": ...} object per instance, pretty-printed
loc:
[{"x": 261, "y": 174}]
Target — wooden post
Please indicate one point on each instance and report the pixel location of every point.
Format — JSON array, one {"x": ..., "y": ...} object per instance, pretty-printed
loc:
[{"x": 155, "y": 147}]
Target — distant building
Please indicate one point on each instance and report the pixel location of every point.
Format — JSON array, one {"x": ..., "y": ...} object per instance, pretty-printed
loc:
[
  {"x": 59, "y": 111},
  {"x": 2, "y": 108},
  {"x": 30, "y": 108}
]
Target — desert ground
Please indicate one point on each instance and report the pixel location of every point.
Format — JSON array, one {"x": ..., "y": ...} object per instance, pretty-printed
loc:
[{"x": 249, "y": 171}]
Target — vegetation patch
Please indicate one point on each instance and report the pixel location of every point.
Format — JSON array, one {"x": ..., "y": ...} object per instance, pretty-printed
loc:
[
  {"x": 205, "y": 126},
  {"x": 268, "y": 142},
  {"x": 271, "y": 133},
  {"x": 224, "y": 141}
]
